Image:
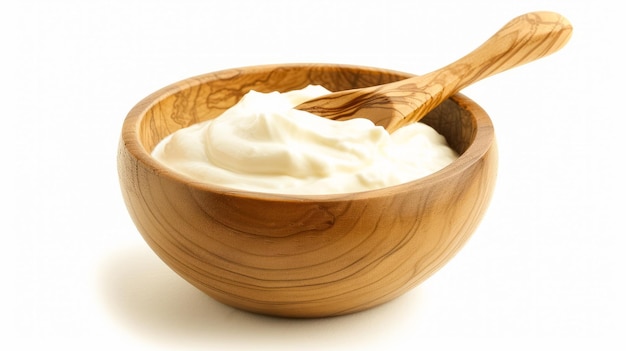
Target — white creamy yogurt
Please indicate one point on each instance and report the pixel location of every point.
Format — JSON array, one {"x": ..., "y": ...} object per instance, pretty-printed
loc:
[{"x": 263, "y": 144}]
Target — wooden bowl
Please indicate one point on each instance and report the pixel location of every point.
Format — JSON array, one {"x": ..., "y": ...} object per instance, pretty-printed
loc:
[{"x": 301, "y": 256}]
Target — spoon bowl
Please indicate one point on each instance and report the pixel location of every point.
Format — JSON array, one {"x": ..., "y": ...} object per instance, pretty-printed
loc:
[{"x": 393, "y": 105}]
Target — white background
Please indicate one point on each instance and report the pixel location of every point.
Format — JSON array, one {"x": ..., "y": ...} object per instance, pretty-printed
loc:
[{"x": 544, "y": 269}]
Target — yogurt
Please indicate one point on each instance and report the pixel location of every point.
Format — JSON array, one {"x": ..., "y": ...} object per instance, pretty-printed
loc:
[{"x": 263, "y": 144}]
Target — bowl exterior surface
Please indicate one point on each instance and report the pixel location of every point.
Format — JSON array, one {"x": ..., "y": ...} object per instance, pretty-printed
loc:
[{"x": 310, "y": 256}]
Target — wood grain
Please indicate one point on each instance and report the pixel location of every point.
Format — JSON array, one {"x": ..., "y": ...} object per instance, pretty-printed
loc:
[
  {"x": 301, "y": 256},
  {"x": 524, "y": 39}
]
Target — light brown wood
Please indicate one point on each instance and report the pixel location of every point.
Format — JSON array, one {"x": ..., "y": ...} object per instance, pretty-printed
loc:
[
  {"x": 302, "y": 256},
  {"x": 524, "y": 39}
]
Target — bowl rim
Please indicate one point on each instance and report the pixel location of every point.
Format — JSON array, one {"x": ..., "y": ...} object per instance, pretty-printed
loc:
[{"x": 130, "y": 140}]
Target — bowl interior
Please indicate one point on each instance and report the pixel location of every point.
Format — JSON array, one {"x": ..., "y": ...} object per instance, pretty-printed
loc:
[{"x": 205, "y": 97}]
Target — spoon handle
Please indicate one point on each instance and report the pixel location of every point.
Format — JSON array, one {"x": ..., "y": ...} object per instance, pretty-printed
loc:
[
  {"x": 393, "y": 105},
  {"x": 524, "y": 39}
]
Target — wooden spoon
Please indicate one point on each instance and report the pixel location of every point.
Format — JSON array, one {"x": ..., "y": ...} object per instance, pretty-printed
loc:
[{"x": 393, "y": 105}]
